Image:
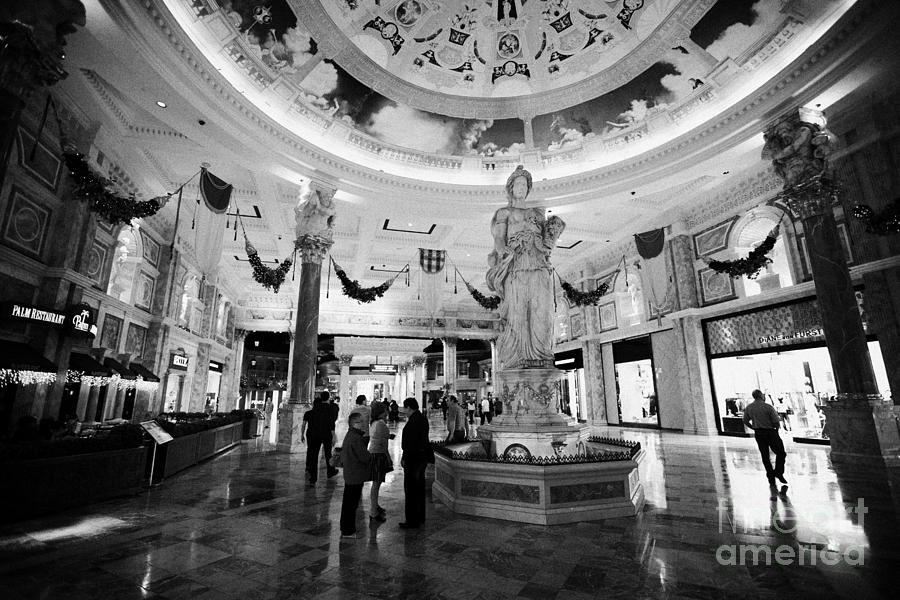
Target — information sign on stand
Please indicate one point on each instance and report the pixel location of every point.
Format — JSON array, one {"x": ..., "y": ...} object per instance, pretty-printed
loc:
[{"x": 160, "y": 436}]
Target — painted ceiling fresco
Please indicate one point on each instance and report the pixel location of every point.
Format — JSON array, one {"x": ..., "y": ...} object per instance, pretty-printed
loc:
[
  {"x": 469, "y": 37},
  {"x": 497, "y": 48}
]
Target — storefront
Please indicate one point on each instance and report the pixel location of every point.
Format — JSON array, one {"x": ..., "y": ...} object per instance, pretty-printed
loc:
[
  {"x": 781, "y": 351},
  {"x": 636, "y": 396},
  {"x": 175, "y": 383},
  {"x": 572, "y": 397},
  {"x": 213, "y": 385}
]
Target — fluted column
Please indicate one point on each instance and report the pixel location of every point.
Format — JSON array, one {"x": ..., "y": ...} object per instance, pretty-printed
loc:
[
  {"x": 450, "y": 364},
  {"x": 346, "y": 402},
  {"x": 860, "y": 422},
  {"x": 239, "y": 336},
  {"x": 290, "y": 369},
  {"x": 403, "y": 381},
  {"x": 495, "y": 369},
  {"x": 315, "y": 236}
]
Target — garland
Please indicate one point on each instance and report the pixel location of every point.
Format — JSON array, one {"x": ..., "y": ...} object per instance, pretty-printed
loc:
[
  {"x": 884, "y": 222},
  {"x": 486, "y": 302},
  {"x": 579, "y": 298},
  {"x": 97, "y": 191},
  {"x": 748, "y": 267},
  {"x": 352, "y": 289},
  {"x": 268, "y": 278}
]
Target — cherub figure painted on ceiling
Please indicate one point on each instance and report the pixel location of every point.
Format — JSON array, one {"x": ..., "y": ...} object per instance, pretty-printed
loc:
[
  {"x": 315, "y": 214},
  {"x": 520, "y": 273}
]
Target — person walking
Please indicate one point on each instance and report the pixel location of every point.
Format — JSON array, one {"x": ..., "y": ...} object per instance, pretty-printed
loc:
[
  {"x": 486, "y": 412},
  {"x": 763, "y": 420},
  {"x": 356, "y": 469},
  {"x": 456, "y": 422},
  {"x": 394, "y": 412},
  {"x": 417, "y": 453},
  {"x": 317, "y": 431},
  {"x": 364, "y": 410},
  {"x": 380, "y": 463}
]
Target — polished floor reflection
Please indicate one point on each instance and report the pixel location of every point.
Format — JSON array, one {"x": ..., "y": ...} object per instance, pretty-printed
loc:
[{"x": 245, "y": 525}]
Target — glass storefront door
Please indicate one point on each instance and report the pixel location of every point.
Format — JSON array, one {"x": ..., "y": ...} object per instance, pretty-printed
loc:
[{"x": 637, "y": 393}]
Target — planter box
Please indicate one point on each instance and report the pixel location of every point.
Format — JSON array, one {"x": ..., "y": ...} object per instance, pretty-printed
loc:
[
  {"x": 188, "y": 450},
  {"x": 34, "y": 487},
  {"x": 250, "y": 427}
]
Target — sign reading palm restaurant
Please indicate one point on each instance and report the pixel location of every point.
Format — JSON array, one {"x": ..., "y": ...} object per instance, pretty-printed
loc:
[{"x": 77, "y": 320}]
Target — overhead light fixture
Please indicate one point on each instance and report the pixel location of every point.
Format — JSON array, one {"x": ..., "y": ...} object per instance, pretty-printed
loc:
[{"x": 161, "y": 104}]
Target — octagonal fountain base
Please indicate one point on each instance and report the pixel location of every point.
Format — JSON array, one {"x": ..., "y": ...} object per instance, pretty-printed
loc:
[{"x": 601, "y": 484}]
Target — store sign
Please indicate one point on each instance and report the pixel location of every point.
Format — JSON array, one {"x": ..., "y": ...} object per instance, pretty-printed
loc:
[
  {"x": 23, "y": 312},
  {"x": 778, "y": 326},
  {"x": 391, "y": 369},
  {"x": 216, "y": 367},
  {"x": 80, "y": 320},
  {"x": 796, "y": 335},
  {"x": 178, "y": 361}
]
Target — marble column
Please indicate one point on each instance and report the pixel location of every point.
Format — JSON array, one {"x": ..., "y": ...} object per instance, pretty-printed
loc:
[
  {"x": 685, "y": 278},
  {"x": 396, "y": 392},
  {"x": 495, "y": 368},
  {"x": 419, "y": 375},
  {"x": 861, "y": 423},
  {"x": 404, "y": 380},
  {"x": 239, "y": 336},
  {"x": 450, "y": 364},
  {"x": 290, "y": 368},
  {"x": 315, "y": 218},
  {"x": 346, "y": 402},
  {"x": 197, "y": 399}
]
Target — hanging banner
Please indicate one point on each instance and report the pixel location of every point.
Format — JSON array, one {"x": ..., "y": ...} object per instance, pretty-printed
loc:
[
  {"x": 650, "y": 243},
  {"x": 216, "y": 193},
  {"x": 432, "y": 261}
]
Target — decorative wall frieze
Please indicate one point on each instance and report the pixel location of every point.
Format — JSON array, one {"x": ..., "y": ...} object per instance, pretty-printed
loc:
[{"x": 753, "y": 188}]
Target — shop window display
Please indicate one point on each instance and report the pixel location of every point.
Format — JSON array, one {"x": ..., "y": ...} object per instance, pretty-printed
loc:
[
  {"x": 797, "y": 383},
  {"x": 637, "y": 393}
]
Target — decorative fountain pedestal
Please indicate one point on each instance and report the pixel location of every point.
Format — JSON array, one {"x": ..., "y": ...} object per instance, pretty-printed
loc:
[{"x": 535, "y": 465}]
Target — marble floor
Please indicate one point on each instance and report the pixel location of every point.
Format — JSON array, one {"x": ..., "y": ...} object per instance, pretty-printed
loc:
[{"x": 245, "y": 525}]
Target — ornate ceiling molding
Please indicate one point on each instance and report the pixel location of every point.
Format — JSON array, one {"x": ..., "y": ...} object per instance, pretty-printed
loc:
[{"x": 726, "y": 129}]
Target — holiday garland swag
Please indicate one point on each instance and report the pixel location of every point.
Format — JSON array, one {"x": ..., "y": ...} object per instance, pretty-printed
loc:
[
  {"x": 352, "y": 289},
  {"x": 579, "y": 298},
  {"x": 883, "y": 222},
  {"x": 748, "y": 267},
  {"x": 268, "y": 278},
  {"x": 486, "y": 302},
  {"x": 97, "y": 191}
]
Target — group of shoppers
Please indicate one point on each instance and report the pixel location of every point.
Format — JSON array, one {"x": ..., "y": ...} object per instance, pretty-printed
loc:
[{"x": 365, "y": 458}]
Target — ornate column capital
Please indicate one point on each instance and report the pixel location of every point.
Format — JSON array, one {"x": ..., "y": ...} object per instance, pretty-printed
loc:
[
  {"x": 450, "y": 341},
  {"x": 798, "y": 146},
  {"x": 291, "y": 335},
  {"x": 345, "y": 359},
  {"x": 313, "y": 248},
  {"x": 419, "y": 360},
  {"x": 240, "y": 334},
  {"x": 33, "y": 36}
]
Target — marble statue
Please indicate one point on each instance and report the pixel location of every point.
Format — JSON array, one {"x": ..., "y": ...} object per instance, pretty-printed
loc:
[
  {"x": 520, "y": 273},
  {"x": 315, "y": 215},
  {"x": 797, "y": 149}
]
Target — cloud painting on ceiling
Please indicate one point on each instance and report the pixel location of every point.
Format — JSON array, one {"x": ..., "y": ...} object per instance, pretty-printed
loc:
[
  {"x": 271, "y": 31},
  {"x": 497, "y": 48},
  {"x": 728, "y": 29}
]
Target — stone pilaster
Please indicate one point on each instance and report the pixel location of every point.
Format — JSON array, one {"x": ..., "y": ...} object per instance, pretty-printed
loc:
[
  {"x": 197, "y": 401},
  {"x": 698, "y": 416},
  {"x": 346, "y": 402},
  {"x": 882, "y": 304},
  {"x": 418, "y": 378},
  {"x": 450, "y": 374},
  {"x": 685, "y": 279},
  {"x": 593, "y": 381},
  {"x": 239, "y": 336},
  {"x": 861, "y": 424}
]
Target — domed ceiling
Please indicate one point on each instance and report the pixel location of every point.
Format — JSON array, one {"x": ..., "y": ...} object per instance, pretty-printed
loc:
[{"x": 494, "y": 78}]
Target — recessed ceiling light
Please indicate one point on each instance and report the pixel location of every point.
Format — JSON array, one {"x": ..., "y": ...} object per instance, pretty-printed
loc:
[
  {"x": 161, "y": 104},
  {"x": 409, "y": 224}
]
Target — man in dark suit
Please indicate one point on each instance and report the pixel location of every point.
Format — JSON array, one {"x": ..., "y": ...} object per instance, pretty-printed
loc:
[{"x": 417, "y": 453}]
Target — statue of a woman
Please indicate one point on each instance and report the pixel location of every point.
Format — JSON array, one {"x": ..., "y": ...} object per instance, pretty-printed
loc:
[{"x": 521, "y": 275}]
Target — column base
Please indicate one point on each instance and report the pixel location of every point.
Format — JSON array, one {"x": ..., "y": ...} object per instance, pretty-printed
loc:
[
  {"x": 863, "y": 430},
  {"x": 290, "y": 420}
]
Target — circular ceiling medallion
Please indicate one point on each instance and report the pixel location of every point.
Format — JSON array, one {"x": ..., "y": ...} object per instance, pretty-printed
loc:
[
  {"x": 408, "y": 12},
  {"x": 27, "y": 224},
  {"x": 508, "y": 45}
]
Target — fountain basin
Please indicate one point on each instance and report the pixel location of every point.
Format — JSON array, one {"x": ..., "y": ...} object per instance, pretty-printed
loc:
[{"x": 554, "y": 490}]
